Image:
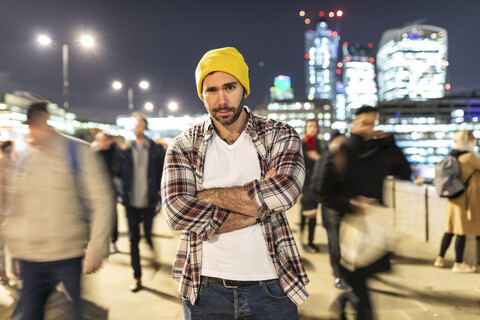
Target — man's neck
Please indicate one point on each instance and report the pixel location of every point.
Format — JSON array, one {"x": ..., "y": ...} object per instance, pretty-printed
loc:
[
  {"x": 140, "y": 140},
  {"x": 230, "y": 133}
]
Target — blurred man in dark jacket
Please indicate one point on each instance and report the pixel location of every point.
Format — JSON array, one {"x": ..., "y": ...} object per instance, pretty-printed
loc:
[
  {"x": 369, "y": 157},
  {"x": 139, "y": 171}
]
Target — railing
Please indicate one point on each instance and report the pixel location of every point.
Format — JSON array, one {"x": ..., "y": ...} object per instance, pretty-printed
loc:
[{"x": 421, "y": 213}]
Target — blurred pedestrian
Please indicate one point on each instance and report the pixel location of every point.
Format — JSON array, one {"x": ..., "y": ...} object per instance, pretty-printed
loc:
[
  {"x": 139, "y": 171},
  {"x": 311, "y": 147},
  {"x": 59, "y": 213},
  {"x": 105, "y": 146},
  {"x": 330, "y": 217},
  {"x": 369, "y": 156},
  {"x": 5, "y": 162},
  {"x": 463, "y": 212},
  {"x": 227, "y": 184}
]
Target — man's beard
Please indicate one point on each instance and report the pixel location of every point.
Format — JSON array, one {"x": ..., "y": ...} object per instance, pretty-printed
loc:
[{"x": 226, "y": 121}]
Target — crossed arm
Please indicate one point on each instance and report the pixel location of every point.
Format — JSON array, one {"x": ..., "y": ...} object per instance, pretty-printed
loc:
[{"x": 244, "y": 212}]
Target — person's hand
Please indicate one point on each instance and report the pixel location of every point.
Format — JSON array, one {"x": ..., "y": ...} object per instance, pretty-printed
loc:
[
  {"x": 309, "y": 213},
  {"x": 381, "y": 134},
  {"x": 312, "y": 154},
  {"x": 91, "y": 264},
  {"x": 362, "y": 204},
  {"x": 270, "y": 173}
]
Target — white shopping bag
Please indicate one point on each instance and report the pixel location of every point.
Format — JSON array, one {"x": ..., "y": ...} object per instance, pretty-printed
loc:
[{"x": 365, "y": 238}]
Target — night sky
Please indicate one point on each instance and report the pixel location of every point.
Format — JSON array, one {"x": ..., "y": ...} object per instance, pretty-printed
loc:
[{"x": 162, "y": 41}]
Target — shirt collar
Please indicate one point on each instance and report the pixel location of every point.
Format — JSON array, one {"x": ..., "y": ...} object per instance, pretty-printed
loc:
[{"x": 208, "y": 125}]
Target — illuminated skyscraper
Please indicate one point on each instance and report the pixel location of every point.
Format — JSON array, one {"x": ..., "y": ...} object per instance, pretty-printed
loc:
[
  {"x": 321, "y": 46},
  {"x": 411, "y": 63},
  {"x": 358, "y": 77}
]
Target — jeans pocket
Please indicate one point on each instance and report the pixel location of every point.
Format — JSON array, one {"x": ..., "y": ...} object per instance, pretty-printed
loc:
[{"x": 273, "y": 289}]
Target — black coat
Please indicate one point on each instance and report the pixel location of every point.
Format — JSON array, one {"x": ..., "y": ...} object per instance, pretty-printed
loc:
[{"x": 367, "y": 165}]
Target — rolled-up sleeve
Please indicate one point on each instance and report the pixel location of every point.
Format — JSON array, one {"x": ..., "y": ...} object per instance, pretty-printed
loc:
[
  {"x": 279, "y": 193},
  {"x": 182, "y": 210}
]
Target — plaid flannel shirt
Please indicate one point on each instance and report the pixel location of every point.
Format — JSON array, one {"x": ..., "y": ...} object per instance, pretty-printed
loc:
[{"x": 278, "y": 146}]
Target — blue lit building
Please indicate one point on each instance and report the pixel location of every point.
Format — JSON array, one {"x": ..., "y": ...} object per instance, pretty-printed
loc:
[
  {"x": 321, "y": 52},
  {"x": 358, "y": 78}
]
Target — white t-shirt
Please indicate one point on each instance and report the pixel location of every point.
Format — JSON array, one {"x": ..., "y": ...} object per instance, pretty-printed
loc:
[{"x": 240, "y": 254}]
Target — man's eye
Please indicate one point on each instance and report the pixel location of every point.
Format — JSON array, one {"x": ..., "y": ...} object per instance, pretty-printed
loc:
[
  {"x": 210, "y": 90},
  {"x": 230, "y": 87}
]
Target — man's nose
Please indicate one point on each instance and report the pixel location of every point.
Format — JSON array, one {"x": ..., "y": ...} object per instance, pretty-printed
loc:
[{"x": 222, "y": 98}]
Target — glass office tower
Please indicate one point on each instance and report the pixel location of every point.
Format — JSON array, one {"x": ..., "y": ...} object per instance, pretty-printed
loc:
[
  {"x": 411, "y": 63},
  {"x": 321, "y": 52}
]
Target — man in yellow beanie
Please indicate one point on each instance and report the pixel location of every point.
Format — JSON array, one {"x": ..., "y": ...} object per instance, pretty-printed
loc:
[{"x": 227, "y": 183}]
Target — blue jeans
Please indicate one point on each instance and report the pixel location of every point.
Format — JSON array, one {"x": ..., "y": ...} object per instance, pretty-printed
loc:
[
  {"x": 40, "y": 279},
  {"x": 266, "y": 301}
]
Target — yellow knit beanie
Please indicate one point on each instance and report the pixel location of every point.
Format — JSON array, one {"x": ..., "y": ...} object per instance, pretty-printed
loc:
[{"x": 228, "y": 60}]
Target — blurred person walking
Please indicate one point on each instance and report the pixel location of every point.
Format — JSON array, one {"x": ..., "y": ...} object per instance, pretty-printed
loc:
[
  {"x": 463, "y": 212},
  {"x": 227, "y": 183},
  {"x": 311, "y": 148},
  {"x": 5, "y": 162},
  {"x": 59, "y": 214},
  {"x": 106, "y": 147},
  {"x": 139, "y": 172},
  {"x": 368, "y": 156}
]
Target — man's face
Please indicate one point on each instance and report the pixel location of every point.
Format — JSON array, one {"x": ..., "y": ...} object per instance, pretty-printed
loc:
[
  {"x": 223, "y": 97},
  {"x": 311, "y": 129},
  {"x": 363, "y": 125},
  {"x": 140, "y": 128},
  {"x": 102, "y": 140},
  {"x": 39, "y": 129}
]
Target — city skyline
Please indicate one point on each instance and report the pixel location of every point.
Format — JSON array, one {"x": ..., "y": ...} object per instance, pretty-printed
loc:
[{"x": 163, "y": 41}]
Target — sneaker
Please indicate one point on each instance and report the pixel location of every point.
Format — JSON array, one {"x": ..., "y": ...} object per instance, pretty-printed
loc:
[
  {"x": 341, "y": 284},
  {"x": 312, "y": 248},
  {"x": 463, "y": 268},
  {"x": 439, "y": 262},
  {"x": 136, "y": 285}
]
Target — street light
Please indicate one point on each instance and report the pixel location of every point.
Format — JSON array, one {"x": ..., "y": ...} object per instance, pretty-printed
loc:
[
  {"x": 117, "y": 85},
  {"x": 86, "y": 41},
  {"x": 149, "y": 106},
  {"x": 173, "y": 106}
]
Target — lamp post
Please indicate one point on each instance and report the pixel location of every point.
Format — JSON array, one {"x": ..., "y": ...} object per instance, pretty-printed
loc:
[
  {"x": 144, "y": 85},
  {"x": 85, "y": 41}
]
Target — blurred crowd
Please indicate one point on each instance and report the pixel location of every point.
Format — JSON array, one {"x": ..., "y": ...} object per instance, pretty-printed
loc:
[{"x": 59, "y": 200}]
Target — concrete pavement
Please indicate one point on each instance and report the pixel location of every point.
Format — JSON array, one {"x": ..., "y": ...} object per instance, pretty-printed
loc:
[{"x": 413, "y": 290}]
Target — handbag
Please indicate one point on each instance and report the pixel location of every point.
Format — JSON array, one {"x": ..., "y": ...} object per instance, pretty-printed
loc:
[{"x": 365, "y": 238}]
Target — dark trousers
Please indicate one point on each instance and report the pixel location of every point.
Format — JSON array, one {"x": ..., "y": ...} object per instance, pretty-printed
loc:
[
  {"x": 135, "y": 216},
  {"x": 459, "y": 246},
  {"x": 40, "y": 279},
  {"x": 115, "y": 223},
  {"x": 358, "y": 281},
  {"x": 312, "y": 223},
  {"x": 331, "y": 222}
]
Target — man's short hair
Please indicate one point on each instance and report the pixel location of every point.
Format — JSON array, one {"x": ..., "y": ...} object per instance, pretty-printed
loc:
[
  {"x": 365, "y": 109},
  {"x": 140, "y": 117},
  {"x": 36, "y": 112}
]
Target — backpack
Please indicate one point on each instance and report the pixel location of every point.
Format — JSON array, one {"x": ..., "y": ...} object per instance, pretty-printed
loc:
[{"x": 446, "y": 181}]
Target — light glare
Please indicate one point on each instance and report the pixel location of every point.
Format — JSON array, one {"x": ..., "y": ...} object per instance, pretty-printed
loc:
[
  {"x": 144, "y": 84},
  {"x": 117, "y": 85},
  {"x": 149, "y": 106},
  {"x": 173, "y": 106},
  {"x": 87, "y": 41},
  {"x": 44, "y": 40}
]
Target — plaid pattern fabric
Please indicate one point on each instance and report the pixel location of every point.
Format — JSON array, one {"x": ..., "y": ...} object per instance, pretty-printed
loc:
[{"x": 278, "y": 146}]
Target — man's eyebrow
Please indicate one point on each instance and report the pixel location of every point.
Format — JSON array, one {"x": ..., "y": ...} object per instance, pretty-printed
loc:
[
  {"x": 224, "y": 85},
  {"x": 230, "y": 84}
]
